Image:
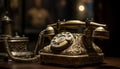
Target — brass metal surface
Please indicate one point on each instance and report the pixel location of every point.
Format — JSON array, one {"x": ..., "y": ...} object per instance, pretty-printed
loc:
[{"x": 65, "y": 47}]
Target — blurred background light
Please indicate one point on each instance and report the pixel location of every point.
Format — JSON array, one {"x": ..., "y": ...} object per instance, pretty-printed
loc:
[{"x": 81, "y": 8}]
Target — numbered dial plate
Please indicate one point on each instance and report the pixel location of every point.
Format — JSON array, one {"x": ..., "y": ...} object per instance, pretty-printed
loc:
[{"x": 57, "y": 41}]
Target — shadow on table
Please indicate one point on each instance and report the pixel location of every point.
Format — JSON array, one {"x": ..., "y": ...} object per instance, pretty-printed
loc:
[
  {"x": 107, "y": 67},
  {"x": 4, "y": 68},
  {"x": 89, "y": 66}
]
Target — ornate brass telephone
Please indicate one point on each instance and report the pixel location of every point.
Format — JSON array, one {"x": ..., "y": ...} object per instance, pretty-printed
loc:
[{"x": 64, "y": 47}]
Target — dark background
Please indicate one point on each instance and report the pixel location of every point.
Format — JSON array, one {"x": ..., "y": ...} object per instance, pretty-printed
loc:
[{"x": 105, "y": 12}]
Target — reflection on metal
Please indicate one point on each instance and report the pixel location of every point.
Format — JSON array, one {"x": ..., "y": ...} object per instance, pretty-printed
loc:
[
  {"x": 6, "y": 32},
  {"x": 101, "y": 33},
  {"x": 6, "y": 24},
  {"x": 66, "y": 48},
  {"x": 78, "y": 50},
  {"x": 16, "y": 43}
]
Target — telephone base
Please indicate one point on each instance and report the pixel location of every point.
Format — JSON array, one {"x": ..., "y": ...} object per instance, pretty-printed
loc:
[{"x": 70, "y": 60}]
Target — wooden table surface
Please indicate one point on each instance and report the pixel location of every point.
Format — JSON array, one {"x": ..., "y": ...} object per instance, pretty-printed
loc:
[{"x": 109, "y": 63}]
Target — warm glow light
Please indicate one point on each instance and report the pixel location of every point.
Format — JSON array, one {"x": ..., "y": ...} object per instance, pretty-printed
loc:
[{"x": 81, "y": 8}]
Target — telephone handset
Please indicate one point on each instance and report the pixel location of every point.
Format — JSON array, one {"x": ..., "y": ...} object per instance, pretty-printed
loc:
[{"x": 67, "y": 45}]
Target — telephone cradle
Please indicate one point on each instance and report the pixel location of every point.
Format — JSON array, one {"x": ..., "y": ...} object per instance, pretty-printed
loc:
[
  {"x": 73, "y": 54},
  {"x": 61, "y": 44},
  {"x": 74, "y": 49}
]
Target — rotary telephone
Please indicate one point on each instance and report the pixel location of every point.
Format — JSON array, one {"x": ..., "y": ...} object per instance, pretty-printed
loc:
[{"x": 59, "y": 44}]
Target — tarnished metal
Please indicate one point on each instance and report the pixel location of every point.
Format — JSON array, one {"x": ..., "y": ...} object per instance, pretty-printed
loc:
[
  {"x": 76, "y": 24},
  {"x": 66, "y": 48},
  {"x": 101, "y": 33},
  {"x": 6, "y": 25},
  {"x": 16, "y": 43},
  {"x": 79, "y": 50}
]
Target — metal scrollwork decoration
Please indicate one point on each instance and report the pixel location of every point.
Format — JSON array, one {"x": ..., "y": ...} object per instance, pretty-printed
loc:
[{"x": 67, "y": 45}]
